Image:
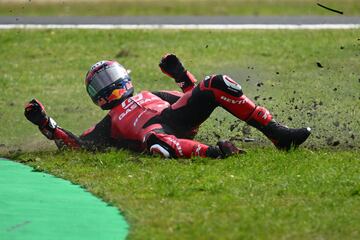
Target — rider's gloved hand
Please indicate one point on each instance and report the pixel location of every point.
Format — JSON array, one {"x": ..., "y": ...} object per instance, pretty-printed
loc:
[
  {"x": 35, "y": 113},
  {"x": 223, "y": 149},
  {"x": 171, "y": 66},
  {"x": 227, "y": 148}
]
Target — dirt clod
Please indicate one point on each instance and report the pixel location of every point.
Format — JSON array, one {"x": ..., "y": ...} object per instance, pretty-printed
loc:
[
  {"x": 259, "y": 84},
  {"x": 246, "y": 130},
  {"x": 319, "y": 65},
  {"x": 125, "y": 53},
  {"x": 232, "y": 127}
]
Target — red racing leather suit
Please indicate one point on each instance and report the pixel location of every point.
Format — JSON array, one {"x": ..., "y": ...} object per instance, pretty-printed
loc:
[{"x": 165, "y": 122}]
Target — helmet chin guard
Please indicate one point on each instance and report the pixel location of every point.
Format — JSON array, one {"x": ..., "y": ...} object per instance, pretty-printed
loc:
[{"x": 108, "y": 84}]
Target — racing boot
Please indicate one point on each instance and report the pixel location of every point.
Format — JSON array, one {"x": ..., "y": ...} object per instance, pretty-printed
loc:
[{"x": 282, "y": 137}]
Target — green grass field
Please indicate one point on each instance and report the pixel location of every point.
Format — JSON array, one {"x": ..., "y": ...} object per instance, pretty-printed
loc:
[
  {"x": 176, "y": 7},
  {"x": 310, "y": 193}
]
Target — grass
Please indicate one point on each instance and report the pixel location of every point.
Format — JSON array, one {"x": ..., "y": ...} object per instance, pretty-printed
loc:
[
  {"x": 176, "y": 7},
  {"x": 262, "y": 195},
  {"x": 308, "y": 193}
]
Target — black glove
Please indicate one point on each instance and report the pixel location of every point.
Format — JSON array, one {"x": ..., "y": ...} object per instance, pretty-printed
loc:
[
  {"x": 223, "y": 149},
  {"x": 171, "y": 66},
  {"x": 35, "y": 113},
  {"x": 227, "y": 148}
]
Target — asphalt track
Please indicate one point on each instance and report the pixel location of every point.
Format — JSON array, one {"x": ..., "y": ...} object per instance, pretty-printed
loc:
[{"x": 180, "y": 22}]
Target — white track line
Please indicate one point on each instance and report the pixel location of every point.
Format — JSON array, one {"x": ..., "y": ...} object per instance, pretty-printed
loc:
[{"x": 181, "y": 26}]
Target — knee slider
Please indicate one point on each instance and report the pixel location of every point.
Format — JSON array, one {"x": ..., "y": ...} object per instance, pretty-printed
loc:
[
  {"x": 158, "y": 149},
  {"x": 156, "y": 146},
  {"x": 227, "y": 85}
]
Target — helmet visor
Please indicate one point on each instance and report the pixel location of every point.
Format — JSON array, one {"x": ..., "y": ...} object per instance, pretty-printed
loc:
[{"x": 105, "y": 77}]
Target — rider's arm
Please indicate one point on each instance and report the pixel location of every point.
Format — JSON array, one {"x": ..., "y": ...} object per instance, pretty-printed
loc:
[
  {"x": 171, "y": 66},
  {"x": 96, "y": 138}
]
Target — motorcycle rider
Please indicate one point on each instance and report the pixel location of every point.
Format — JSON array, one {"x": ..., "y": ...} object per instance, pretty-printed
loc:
[{"x": 162, "y": 122}]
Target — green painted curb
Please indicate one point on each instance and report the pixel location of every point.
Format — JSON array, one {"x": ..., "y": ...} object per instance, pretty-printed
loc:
[{"x": 36, "y": 205}]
